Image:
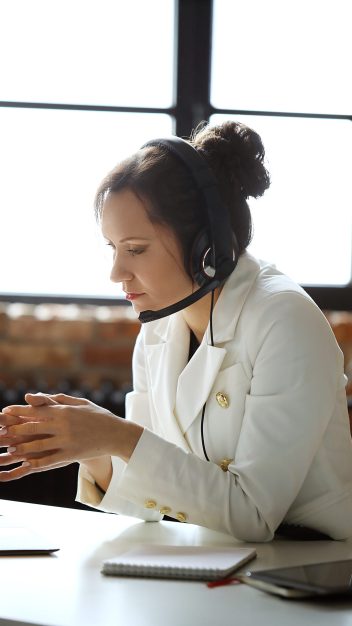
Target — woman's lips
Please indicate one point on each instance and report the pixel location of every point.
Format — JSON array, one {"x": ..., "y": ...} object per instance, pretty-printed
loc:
[{"x": 133, "y": 296}]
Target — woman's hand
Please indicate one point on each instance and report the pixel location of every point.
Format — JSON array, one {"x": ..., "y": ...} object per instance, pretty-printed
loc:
[{"x": 52, "y": 431}]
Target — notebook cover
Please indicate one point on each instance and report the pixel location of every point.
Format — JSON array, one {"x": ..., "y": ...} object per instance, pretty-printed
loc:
[{"x": 186, "y": 562}]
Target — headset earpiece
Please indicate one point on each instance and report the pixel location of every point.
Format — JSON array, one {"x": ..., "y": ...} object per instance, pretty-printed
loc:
[{"x": 201, "y": 260}]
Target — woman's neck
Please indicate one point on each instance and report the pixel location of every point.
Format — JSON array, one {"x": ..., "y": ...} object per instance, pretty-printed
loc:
[{"x": 197, "y": 315}]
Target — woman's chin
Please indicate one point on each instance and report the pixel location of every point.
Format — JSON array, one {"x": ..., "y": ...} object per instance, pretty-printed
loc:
[{"x": 140, "y": 307}]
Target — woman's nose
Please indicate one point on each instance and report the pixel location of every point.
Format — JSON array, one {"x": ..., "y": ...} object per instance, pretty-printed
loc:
[{"x": 119, "y": 272}]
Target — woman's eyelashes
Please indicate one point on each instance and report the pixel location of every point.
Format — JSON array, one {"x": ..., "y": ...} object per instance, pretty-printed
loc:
[
  {"x": 135, "y": 251},
  {"x": 131, "y": 250}
]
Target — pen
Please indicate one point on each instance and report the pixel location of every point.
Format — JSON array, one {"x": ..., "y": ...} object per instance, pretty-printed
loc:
[{"x": 222, "y": 582}]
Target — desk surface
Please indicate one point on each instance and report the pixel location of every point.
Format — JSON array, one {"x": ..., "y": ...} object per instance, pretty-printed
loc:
[{"x": 67, "y": 589}]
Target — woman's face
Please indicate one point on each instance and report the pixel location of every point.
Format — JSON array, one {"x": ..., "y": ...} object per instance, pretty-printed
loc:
[{"x": 147, "y": 257}]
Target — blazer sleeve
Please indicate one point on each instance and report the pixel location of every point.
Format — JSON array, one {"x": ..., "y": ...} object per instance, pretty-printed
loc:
[
  {"x": 137, "y": 410},
  {"x": 297, "y": 373}
]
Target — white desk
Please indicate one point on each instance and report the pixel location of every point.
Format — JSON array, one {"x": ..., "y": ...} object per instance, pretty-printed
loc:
[{"x": 67, "y": 589}]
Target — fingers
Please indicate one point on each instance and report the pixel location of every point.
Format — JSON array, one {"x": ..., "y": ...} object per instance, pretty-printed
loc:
[
  {"x": 16, "y": 414},
  {"x": 28, "y": 449},
  {"x": 17, "y": 435},
  {"x": 62, "y": 398},
  {"x": 27, "y": 412},
  {"x": 39, "y": 399},
  {"x": 34, "y": 399},
  {"x": 15, "y": 474},
  {"x": 7, "y": 459},
  {"x": 32, "y": 467},
  {"x": 36, "y": 433},
  {"x": 19, "y": 410},
  {"x": 8, "y": 420},
  {"x": 47, "y": 462},
  {"x": 52, "y": 461},
  {"x": 30, "y": 429}
]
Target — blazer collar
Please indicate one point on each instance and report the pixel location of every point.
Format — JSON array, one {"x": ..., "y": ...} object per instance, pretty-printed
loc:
[
  {"x": 232, "y": 298},
  {"x": 226, "y": 311}
]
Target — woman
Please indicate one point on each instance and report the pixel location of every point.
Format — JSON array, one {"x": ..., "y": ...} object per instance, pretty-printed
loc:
[{"x": 238, "y": 419}]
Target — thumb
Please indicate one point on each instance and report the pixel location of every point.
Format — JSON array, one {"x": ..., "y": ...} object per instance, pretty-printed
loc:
[
  {"x": 39, "y": 399},
  {"x": 62, "y": 398}
]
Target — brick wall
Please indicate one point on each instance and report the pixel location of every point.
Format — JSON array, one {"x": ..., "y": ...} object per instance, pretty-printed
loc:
[
  {"x": 65, "y": 345},
  {"x": 341, "y": 324},
  {"x": 86, "y": 346}
]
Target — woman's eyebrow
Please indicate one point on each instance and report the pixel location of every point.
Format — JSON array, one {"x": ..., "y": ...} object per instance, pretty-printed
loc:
[{"x": 134, "y": 239}]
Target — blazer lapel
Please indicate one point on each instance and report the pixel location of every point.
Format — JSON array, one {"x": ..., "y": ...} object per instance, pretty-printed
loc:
[
  {"x": 233, "y": 297},
  {"x": 165, "y": 361},
  {"x": 195, "y": 383},
  {"x": 199, "y": 375}
]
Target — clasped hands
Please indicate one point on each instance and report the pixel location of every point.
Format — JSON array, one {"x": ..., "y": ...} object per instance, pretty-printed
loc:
[{"x": 54, "y": 430}]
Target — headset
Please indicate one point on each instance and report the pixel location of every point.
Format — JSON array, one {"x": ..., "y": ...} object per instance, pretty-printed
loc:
[{"x": 215, "y": 251}]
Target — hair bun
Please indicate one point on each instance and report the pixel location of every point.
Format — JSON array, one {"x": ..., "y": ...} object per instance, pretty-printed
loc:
[{"x": 235, "y": 151}]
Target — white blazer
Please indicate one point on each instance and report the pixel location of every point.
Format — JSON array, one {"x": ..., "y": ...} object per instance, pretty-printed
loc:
[{"x": 276, "y": 426}]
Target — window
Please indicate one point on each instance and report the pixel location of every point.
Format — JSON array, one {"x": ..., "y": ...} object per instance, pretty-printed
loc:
[
  {"x": 91, "y": 52},
  {"x": 85, "y": 83},
  {"x": 303, "y": 223},
  {"x": 283, "y": 69},
  {"x": 282, "y": 56}
]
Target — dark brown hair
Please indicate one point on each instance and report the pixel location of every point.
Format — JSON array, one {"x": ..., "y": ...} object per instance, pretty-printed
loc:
[{"x": 235, "y": 154}]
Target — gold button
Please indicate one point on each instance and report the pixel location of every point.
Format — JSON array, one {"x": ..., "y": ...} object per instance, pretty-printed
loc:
[
  {"x": 150, "y": 504},
  {"x": 222, "y": 400},
  {"x": 182, "y": 517},
  {"x": 165, "y": 510},
  {"x": 224, "y": 464}
]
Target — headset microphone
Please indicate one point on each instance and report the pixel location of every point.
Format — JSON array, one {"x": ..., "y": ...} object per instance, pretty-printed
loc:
[
  {"x": 151, "y": 316},
  {"x": 215, "y": 252}
]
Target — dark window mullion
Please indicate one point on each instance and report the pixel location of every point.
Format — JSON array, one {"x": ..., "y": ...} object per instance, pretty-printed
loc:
[
  {"x": 85, "y": 107},
  {"x": 193, "y": 64},
  {"x": 326, "y": 116}
]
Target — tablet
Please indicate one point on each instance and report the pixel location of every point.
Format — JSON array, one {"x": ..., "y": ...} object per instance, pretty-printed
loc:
[
  {"x": 16, "y": 540},
  {"x": 314, "y": 579}
]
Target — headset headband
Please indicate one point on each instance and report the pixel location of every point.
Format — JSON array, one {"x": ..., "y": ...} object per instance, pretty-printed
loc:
[
  {"x": 220, "y": 240},
  {"x": 221, "y": 237}
]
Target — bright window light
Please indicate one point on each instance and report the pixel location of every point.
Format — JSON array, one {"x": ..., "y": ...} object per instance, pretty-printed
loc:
[
  {"x": 100, "y": 52},
  {"x": 282, "y": 56},
  {"x": 303, "y": 223},
  {"x": 73, "y": 52},
  {"x": 51, "y": 163}
]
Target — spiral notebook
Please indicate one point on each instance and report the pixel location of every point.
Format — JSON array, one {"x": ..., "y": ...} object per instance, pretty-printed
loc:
[{"x": 185, "y": 562}]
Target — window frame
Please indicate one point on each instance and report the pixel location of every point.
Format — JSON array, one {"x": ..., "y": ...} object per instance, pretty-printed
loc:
[{"x": 192, "y": 105}]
